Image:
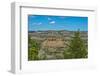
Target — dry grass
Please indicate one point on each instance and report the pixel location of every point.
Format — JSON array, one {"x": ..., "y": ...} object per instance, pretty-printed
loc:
[{"x": 53, "y": 43}]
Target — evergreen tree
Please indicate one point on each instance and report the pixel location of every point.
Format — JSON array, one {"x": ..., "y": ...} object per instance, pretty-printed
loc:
[{"x": 77, "y": 48}]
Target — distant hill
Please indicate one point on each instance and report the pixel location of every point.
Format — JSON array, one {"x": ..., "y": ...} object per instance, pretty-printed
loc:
[{"x": 62, "y": 33}]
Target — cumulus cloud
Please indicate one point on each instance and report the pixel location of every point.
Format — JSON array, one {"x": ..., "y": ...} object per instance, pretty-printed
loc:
[{"x": 52, "y": 22}]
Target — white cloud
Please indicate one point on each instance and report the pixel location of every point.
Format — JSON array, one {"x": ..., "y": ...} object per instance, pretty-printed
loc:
[
  {"x": 49, "y": 18},
  {"x": 52, "y": 22}
]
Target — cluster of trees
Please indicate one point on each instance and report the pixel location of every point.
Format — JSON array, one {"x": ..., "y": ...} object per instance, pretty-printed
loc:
[
  {"x": 33, "y": 48},
  {"x": 77, "y": 48}
]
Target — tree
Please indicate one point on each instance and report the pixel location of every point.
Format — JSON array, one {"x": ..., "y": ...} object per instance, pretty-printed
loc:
[
  {"x": 33, "y": 48},
  {"x": 77, "y": 47}
]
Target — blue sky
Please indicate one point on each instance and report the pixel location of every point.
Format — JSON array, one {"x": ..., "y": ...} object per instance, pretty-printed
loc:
[{"x": 47, "y": 22}]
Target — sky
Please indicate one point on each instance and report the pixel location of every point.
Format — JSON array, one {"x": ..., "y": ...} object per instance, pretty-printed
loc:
[{"x": 47, "y": 22}]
